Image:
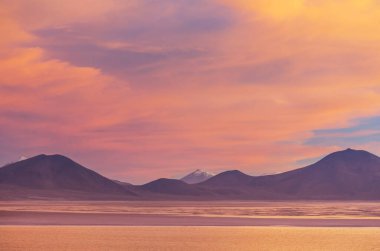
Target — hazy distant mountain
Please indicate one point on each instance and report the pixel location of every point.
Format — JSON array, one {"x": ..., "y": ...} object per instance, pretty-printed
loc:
[
  {"x": 123, "y": 183},
  {"x": 197, "y": 176},
  {"x": 56, "y": 173},
  {"x": 228, "y": 178},
  {"x": 173, "y": 187}
]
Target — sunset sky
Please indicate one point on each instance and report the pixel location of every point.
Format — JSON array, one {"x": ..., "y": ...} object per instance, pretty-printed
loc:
[{"x": 142, "y": 89}]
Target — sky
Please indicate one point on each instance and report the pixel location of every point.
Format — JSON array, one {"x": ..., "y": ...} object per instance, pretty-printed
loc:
[{"x": 142, "y": 89}]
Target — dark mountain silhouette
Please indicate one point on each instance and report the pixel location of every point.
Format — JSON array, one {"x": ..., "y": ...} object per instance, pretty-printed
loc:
[
  {"x": 348, "y": 174},
  {"x": 235, "y": 185},
  {"x": 57, "y": 173}
]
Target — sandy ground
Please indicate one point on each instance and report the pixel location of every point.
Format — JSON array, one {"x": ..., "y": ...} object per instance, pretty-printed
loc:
[
  {"x": 187, "y": 238},
  {"x": 99, "y": 225}
]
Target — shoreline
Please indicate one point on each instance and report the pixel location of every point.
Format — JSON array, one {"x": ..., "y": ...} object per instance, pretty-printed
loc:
[{"x": 117, "y": 219}]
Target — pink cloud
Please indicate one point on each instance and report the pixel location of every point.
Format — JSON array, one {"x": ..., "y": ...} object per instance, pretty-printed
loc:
[{"x": 244, "y": 92}]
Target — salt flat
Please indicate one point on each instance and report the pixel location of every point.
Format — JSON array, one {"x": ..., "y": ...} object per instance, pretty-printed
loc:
[
  {"x": 187, "y": 238},
  {"x": 314, "y": 209},
  {"x": 187, "y": 213}
]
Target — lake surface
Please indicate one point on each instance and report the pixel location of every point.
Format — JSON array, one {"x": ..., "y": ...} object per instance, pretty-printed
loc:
[
  {"x": 310, "y": 209},
  {"x": 187, "y": 213}
]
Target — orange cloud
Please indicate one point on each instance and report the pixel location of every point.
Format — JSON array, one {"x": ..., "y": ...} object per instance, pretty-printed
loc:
[{"x": 334, "y": 19}]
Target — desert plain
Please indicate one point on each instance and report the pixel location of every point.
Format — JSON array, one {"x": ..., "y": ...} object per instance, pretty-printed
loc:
[{"x": 189, "y": 225}]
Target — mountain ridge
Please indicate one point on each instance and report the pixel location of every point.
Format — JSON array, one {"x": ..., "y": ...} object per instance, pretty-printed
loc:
[{"x": 57, "y": 173}]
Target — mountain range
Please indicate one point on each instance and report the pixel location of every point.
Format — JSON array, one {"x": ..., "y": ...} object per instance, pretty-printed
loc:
[{"x": 344, "y": 175}]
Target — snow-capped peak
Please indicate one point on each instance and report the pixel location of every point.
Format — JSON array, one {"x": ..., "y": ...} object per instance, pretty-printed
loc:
[
  {"x": 197, "y": 176},
  {"x": 22, "y": 158}
]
